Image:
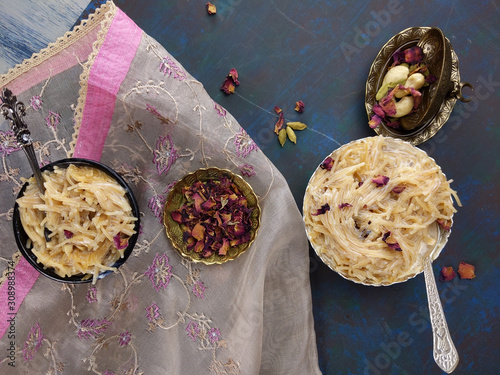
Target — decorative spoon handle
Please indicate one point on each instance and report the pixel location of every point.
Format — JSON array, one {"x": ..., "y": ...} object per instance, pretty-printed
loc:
[{"x": 444, "y": 351}]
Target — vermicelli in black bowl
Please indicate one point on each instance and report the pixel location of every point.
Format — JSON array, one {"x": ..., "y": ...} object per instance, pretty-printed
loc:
[{"x": 96, "y": 216}]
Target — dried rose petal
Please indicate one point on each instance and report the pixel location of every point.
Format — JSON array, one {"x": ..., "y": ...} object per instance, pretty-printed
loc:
[
  {"x": 233, "y": 75},
  {"x": 228, "y": 86},
  {"x": 281, "y": 119},
  {"x": 299, "y": 106},
  {"x": 389, "y": 239},
  {"x": 322, "y": 210},
  {"x": 394, "y": 124},
  {"x": 447, "y": 274},
  {"x": 375, "y": 121},
  {"x": 377, "y": 109},
  {"x": 68, "y": 234},
  {"x": 120, "y": 242},
  {"x": 380, "y": 180},
  {"x": 466, "y": 271},
  {"x": 214, "y": 217},
  {"x": 414, "y": 55},
  {"x": 398, "y": 57},
  {"x": 398, "y": 189},
  {"x": 431, "y": 78},
  {"x": 444, "y": 224},
  {"x": 211, "y": 9},
  {"x": 344, "y": 205},
  {"x": 327, "y": 164},
  {"x": 230, "y": 82}
]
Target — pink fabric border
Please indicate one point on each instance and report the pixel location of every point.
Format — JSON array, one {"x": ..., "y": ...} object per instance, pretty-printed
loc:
[{"x": 105, "y": 78}]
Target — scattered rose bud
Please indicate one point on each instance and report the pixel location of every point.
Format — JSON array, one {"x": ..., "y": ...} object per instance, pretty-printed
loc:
[
  {"x": 389, "y": 239},
  {"x": 68, "y": 234},
  {"x": 230, "y": 82},
  {"x": 281, "y": 119},
  {"x": 344, "y": 205},
  {"x": 380, "y": 180},
  {"x": 299, "y": 106},
  {"x": 327, "y": 164},
  {"x": 447, "y": 274},
  {"x": 466, "y": 271},
  {"x": 211, "y": 9},
  {"x": 322, "y": 210},
  {"x": 398, "y": 189}
]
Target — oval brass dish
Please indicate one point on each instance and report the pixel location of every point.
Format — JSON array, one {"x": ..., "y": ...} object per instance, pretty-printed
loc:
[
  {"x": 176, "y": 199},
  {"x": 438, "y": 99}
]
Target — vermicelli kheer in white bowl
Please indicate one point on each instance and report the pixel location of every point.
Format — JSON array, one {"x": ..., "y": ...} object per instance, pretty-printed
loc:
[{"x": 374, "y": 208}]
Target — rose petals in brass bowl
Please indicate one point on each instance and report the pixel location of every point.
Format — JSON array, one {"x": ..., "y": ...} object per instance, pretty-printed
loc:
[
  {"x": 211, "y": 216},
  {"x": 437, "y": 99}
]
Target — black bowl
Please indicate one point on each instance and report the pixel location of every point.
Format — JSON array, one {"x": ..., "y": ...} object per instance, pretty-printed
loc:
[{"x": 22, "y": 237}]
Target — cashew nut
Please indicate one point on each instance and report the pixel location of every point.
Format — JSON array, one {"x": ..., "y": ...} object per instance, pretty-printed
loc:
[
  {"x": 396, "y": 74},
  {"x": 416, "y": 81},
  {"x": 404, "y": 106}
]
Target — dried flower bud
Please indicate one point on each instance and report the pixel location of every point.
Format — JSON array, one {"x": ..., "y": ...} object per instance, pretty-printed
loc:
[
  {"x": 466, "y": 271},
  {"x": 447, "y": 274},
  {"x": 299, "y": 106},
  {"x": 211, "y": 9}
]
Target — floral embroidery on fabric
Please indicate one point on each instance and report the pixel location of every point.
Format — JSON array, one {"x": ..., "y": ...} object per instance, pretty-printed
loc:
[
  {"x": 247, "y": 170},
  {"x": 164, "y": 120},
  {"x": 53, "y": 119},
  {"x": 36, "y": 102},
  {"x": 160, "y": 272},
  {"x": 220, "y": 110},
  {"x": 213, "y": 335},
  {"x": 244, "y": 144},
  {"x": 199, "y": 289},
  {"x": 92, "y": 294},
  {"x": 169, "y": 68},
  {"x": 152, "y": 312},
  {"x": 33, "y": 342},
  {"x": 156, "y": 205},
  {"x": 92, "y": 328},
  {"x": 125, "y": 338},
  {"x": 8, "y": 143},
  {"x": 193, "y": 330},
  {"x": 165, "y": 154}
]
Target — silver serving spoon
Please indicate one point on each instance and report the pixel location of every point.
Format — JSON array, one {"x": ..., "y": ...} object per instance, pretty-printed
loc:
[
  {"x": 14, "y": 111},
  {"x": 444, "y": 351}
]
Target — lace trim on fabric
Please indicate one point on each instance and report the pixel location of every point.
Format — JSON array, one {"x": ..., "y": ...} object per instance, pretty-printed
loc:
[
  {"x": 60, "y": 44},
  {"x": 108, "y": 12}
]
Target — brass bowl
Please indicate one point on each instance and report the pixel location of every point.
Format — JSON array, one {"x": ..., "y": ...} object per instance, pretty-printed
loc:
[
  {"x": 438, "y": 99},
  {"x": 176, "y": 199}
]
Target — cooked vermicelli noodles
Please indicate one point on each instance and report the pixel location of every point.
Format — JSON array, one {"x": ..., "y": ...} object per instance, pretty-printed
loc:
[
  {"x": 375, "y": 215},
  {"x": 89, "y": 217}
]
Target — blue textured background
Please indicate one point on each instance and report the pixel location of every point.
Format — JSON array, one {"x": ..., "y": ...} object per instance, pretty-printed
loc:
[{"x": 287, "y": 51}]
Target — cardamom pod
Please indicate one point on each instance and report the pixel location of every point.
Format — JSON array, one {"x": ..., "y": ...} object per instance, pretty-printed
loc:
[
  {"x": 291, "y": 134},
  {"x": 282, "y": 137},
  {"x": 297, "y": 125}
]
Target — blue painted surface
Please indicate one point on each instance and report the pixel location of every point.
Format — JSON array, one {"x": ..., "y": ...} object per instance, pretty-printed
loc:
[{"x": 320, "y": 52}]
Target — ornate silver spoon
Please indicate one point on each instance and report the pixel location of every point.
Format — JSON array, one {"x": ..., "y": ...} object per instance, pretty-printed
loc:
[{"x": 15, "y": 111}]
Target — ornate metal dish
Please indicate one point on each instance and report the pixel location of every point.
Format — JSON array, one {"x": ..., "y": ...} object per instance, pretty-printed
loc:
[
  {"x": 438, "y": 99},
  {"x": 176, "y": 199}
]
